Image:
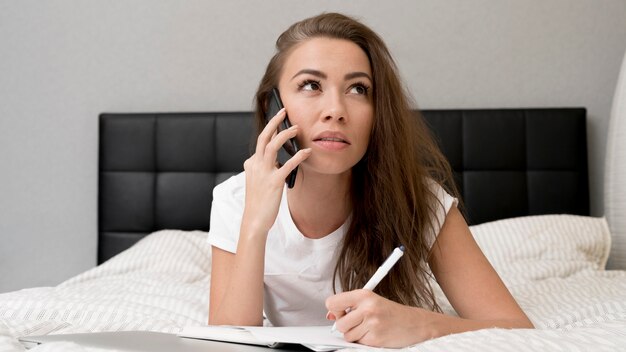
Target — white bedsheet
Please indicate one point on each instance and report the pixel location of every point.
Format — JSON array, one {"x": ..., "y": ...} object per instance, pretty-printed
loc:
[{"x": 162, "y": 284}]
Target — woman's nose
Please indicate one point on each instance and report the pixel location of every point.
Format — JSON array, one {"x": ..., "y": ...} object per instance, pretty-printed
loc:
[{"x": 335, "y": 108}]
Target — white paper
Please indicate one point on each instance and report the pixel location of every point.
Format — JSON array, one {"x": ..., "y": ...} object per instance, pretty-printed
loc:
[
  {"x": 223, "y": 333},
  {"x": 318, "y": 338},
  {"x": 305, "y": 335}
]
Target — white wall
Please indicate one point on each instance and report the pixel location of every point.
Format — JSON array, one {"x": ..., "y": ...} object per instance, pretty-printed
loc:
[{"x": 64, "y": 62}]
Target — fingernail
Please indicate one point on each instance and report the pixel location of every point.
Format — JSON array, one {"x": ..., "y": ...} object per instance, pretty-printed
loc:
[
  {"x": 330, "y": 316},
  {"x": 308, "y": 151}
]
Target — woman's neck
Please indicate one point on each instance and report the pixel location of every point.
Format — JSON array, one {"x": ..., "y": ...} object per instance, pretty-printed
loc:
[{"x": 319, "y": 204}]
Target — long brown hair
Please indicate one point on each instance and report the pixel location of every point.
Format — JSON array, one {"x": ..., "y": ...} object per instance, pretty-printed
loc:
[{"x": 392, "y": 194}]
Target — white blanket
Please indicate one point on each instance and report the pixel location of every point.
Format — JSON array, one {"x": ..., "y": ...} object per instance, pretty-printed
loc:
[{"x": 162, "y": 284}]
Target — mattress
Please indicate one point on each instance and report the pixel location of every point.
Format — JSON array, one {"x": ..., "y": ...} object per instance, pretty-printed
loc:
[{"x": 552, "y": 264}]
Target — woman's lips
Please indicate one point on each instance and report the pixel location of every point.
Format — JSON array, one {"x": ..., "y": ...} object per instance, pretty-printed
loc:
[
  {"x": 331, "y": 140},
  {"x": 331, "y": 143}
]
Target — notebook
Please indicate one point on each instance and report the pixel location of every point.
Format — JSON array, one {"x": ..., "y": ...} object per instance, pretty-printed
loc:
[{"x": 317, "y": 338}]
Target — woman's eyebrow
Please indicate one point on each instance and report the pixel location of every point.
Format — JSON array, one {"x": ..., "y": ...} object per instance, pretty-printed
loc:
[
  {"x": 322, "y": 75},
  {"x": 310, "y": 72},
  {"x": 353, "y": 75}
]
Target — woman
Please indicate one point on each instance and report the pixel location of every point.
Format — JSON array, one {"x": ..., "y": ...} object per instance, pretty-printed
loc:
[{"x": 369, "y": 179}]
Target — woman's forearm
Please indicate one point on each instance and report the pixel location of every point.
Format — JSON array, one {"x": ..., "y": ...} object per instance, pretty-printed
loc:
[
  {"x": 241, "y": 303},
  {"x": 443, "y": 324}
]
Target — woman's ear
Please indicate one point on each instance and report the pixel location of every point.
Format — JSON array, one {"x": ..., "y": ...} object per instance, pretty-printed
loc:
[{"x": 266, "y": 101}]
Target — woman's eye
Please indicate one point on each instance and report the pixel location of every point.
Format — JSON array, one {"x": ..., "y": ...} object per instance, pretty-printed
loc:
[
  {"x": 310, "y": 85},
  {"x": 359, "y": 89}
]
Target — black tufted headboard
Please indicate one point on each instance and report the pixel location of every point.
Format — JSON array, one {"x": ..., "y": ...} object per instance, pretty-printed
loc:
[{"x": 158, "y": 170}]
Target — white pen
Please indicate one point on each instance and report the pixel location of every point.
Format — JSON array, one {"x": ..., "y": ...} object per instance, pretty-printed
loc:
[{"x": 379, "y": 274}]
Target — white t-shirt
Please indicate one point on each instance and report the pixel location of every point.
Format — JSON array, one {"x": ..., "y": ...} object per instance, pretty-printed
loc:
[{"x": 298, "y": 270}]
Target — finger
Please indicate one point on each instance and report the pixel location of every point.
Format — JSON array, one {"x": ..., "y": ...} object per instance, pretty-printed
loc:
[
  {"x": 272, "y": 148},
  {"x": 350, "y": 319},
  {"x": 330, "y": 316},
  {"x": 352, "y": 326},
  {"x": 338, "y": 303},
  {"x": 269, "y": 130},
  {"x": 294, "y": 161}
]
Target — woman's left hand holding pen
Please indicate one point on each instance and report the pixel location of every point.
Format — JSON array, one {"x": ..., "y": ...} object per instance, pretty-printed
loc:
[{"x": 376, "y": 321}]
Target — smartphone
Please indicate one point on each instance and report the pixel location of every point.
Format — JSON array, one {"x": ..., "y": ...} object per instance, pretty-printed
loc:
[{"x": 290, "y": 147}]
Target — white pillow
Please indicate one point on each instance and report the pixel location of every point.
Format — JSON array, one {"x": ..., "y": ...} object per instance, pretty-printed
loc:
[
  {"x": 615, "y": 172},
  {"x": 539, "y": 247},
  {"x": 184, "y": 255}
]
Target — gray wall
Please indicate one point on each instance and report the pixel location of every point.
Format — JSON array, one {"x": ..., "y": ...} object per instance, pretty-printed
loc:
[{"x": 64, "y": 62}]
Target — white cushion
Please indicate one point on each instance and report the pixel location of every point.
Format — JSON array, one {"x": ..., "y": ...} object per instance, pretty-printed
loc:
[
  {"x": 533, "y": 248},
  {"x": 615, "y": 174}
]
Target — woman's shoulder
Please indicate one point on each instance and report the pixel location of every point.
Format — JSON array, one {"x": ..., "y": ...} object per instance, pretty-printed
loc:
[
  {"x": 443, "y": 202},
  {"x": 232, "y": 189},
  {"x": 439, "y": 192}
]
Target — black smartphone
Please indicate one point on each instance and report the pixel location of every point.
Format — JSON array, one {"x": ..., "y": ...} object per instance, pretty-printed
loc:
[{"x": 290, "y": 147}]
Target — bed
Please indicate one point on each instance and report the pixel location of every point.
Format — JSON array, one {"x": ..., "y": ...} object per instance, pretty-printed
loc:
[{"x": 522, "y": 175}]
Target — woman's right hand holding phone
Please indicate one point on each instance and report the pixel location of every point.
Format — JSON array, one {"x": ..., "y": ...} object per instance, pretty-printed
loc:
[
  {"x": 265, "y": 181},
  {"x": 237, "y": 279}
]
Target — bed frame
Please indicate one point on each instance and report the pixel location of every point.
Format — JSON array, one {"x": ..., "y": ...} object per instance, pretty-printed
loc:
[{"x": 157, "y": 170}]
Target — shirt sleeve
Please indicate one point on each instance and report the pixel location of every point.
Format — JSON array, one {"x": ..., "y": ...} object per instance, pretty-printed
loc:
[
  {"x": 226, "y": 213},
  {"x": 442, "y": 206}
]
